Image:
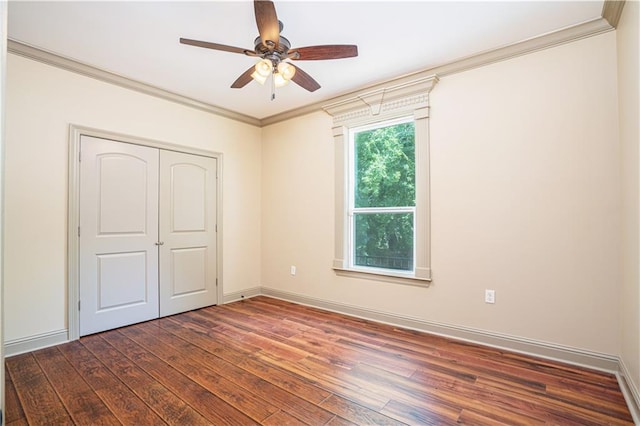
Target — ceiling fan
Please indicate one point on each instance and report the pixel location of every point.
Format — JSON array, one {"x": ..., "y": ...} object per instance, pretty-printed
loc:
[{"x": 274, "y": 51}]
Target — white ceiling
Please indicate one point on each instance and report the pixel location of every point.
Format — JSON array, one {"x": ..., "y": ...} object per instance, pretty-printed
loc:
[{"x": 139, "y": 40}]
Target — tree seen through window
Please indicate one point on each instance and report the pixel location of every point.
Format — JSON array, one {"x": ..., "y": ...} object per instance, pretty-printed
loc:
[{"x": 384, "y": 197}]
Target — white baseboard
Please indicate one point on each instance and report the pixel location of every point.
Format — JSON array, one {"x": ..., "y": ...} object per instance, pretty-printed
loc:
[
  {"x": 32, "y": 343},
  {"x": 630, "y": 391},
  {"x": 598, "y": 361},
  {"x": 594, "y": 360},
  {"x": 242, "y": 294},
  {"x": 44, "y": 340}
]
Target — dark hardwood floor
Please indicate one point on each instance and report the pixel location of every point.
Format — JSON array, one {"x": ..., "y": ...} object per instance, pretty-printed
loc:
[{"x": 266, "y": 361}]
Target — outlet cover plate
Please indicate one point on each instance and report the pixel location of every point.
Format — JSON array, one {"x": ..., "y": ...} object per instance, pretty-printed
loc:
[{"x": 490, "y": 296}]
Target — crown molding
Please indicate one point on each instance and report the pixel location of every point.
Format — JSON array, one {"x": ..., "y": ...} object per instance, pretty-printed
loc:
[
  {"x": 49, "y": 58},
  {"x": 546, "y": 41},
  {"x": 612, "y": 10}
]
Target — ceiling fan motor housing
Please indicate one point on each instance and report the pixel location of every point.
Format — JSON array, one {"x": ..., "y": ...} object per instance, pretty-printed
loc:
[{"x": 270, "y": 48}]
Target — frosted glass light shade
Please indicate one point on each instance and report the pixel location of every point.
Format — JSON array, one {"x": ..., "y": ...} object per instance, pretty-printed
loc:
[
  {"x": 264, "y": 68},
  {"x": 259, "y": 77},
  {"x": 286, "y": 70},
  {"x": 279, "y": 80}
]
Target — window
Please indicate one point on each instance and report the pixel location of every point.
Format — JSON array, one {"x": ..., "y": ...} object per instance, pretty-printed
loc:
[
  {"x": 382, "y": 196},
  {"x": 382, "y": 212}
]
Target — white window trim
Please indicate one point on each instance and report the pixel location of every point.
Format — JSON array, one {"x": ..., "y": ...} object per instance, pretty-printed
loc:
[{"x": 388, "y": 103}]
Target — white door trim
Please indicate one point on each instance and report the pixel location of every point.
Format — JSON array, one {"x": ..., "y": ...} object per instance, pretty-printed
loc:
[{"x": 73, "y": 220}]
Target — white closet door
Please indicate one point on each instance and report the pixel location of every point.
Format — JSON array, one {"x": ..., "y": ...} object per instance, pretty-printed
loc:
[
  {"x": 188, "y": 268},
  {"x": 118, "y": 234}
]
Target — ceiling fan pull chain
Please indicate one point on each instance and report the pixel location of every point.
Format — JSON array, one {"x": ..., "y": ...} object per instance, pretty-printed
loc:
[{"x": 273, "y": 87}]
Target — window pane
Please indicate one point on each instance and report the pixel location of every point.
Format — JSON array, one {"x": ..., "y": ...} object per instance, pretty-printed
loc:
[
  {"x": 385, "y": 167},
  {"x": 384, "y": 240}
]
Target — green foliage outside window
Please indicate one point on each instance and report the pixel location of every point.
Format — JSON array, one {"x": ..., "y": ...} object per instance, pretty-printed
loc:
[{"x": 385, "y": 177}]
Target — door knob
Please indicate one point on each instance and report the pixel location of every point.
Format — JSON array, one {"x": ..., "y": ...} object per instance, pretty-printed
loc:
[{"x": 159, "y": 243}]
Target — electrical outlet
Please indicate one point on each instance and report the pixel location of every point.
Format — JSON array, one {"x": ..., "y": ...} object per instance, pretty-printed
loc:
[
  {"x": 489, "y": 296},
  {"x": 293, "y": 270}
]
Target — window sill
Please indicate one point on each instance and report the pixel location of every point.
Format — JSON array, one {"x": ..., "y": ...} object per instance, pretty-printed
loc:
[{"x": 384, "y": 277}]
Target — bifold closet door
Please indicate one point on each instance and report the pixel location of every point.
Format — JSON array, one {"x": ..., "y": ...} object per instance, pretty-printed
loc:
[
  {"x": 118, "y": 234},
  {"x": 188, "y": 216}
]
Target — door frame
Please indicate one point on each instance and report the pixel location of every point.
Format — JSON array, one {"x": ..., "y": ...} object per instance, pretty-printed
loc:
[{"x": 73, "y": 215}]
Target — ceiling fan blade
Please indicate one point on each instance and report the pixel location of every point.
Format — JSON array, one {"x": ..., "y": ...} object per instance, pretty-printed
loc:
[
  {"x": 329, "y": 51},
  {"x": 267, "y": 21},
  {"x": 217, "y": 46},
  {"x": 304, "y": 80},
  {"x": 244, "y": 79}
]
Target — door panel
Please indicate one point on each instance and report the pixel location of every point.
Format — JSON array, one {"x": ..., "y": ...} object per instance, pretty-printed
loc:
[
  {"x": 118, "y": 232},
  {"x": 122, "y": 208},
  {"x": 188, "y": 269},
  {"x": 118, "y": 278},
  {"x": 188, "y": 186}
]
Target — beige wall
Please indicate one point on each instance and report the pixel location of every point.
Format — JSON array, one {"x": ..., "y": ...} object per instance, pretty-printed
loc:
[
  {"x": 525, "y": 194},
  {"x": 525, "y": 198},
  {"x": 3, "y": 55},
  {"x": 628, "y": 35},
  {"x": 41, "y": 103}
]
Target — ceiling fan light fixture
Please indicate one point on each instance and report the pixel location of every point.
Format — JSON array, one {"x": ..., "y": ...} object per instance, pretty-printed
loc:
[
  {"x": 274, "y": 50},
  {"x": 264, "y": 67},
  {"x": 258, "y": 77},
  {"x": 286, "y": 70},
  {"x": 279, "y": 80}
]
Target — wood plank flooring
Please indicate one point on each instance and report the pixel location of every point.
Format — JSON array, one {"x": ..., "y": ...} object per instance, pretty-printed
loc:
[{"x": 266, "y": 361}]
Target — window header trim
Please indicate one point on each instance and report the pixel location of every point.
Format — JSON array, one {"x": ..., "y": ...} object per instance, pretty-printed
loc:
[{"x": 384, "y": 103}]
